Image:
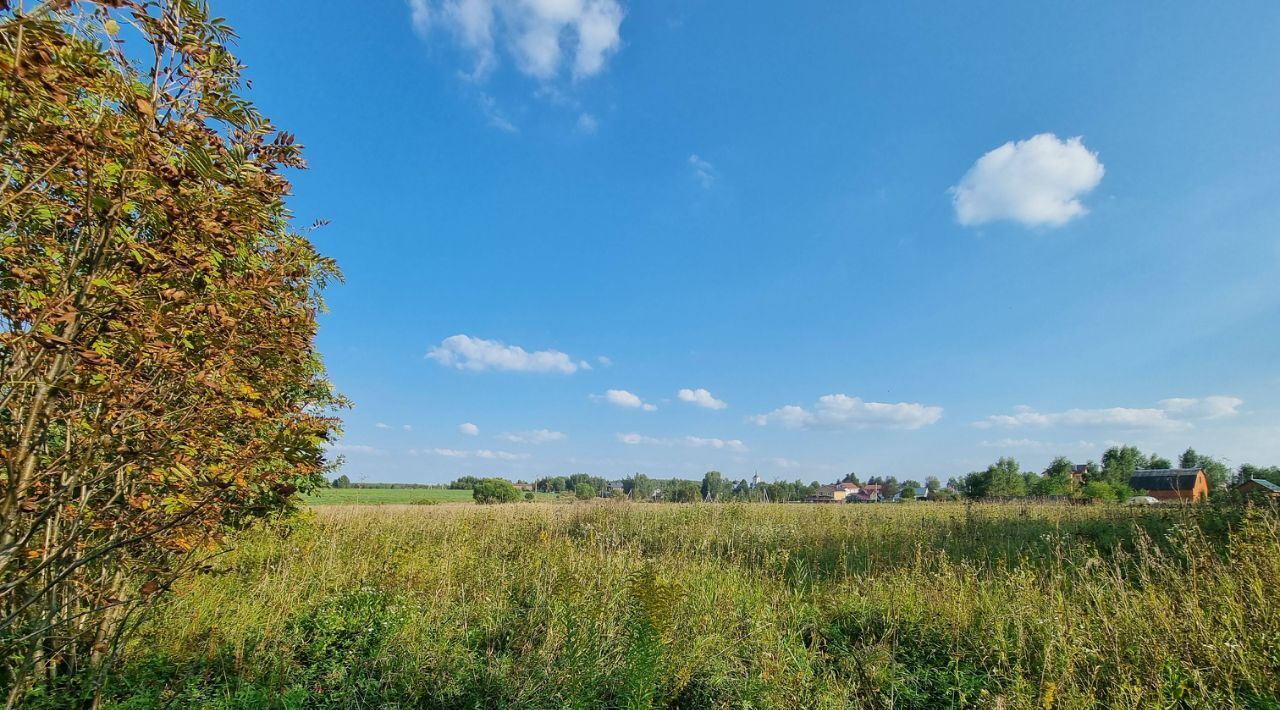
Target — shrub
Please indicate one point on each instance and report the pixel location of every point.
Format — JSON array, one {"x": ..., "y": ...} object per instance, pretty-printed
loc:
[
  {"x": 157, "y": 321},
  {"x": 584, "y": 491},
  {"x": 494, "y": 490}
]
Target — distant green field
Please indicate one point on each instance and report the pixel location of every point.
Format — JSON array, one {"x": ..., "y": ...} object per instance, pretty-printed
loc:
[{"x": 395, "y": 496}]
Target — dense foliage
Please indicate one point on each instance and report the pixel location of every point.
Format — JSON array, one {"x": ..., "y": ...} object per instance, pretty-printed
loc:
[
  {"x": 764, "y": 606},
  {"x": 494, "y": 490},
  {"x": 158, "y": 381}
]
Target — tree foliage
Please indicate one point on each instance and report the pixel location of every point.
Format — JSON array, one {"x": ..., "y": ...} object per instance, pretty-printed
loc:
[
  {"x": 159, "y": 384},
  {"x": 494, "y": 490},
  {"x": 1002, "y": 478}
]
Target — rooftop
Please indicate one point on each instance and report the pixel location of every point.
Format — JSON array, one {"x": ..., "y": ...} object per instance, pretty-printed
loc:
[{"x": 1165, "y": 479}]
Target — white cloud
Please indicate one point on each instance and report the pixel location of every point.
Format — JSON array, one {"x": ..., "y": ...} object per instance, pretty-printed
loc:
[
  {"x": 781, "y": 462},
  {"x": 700, "y": 397},
  {"x": 537, "y": 436},
  {"x": 702, "y": 170},
  {"x": 420, "y": 16},
  {"x": 467, "y": 353},
  {"x": 587, "y": 123},
  {"x": 1213, "y": 407},
  {"x": 468, "y": 429},
  {"x": 634, "y": 438},
  {"x": 406, "y": 427},
  {"x": 537, "y": 34},
  {"x": 714, "y": 443},
  {"x": 625, "y": 399},
  {"x": 838, "y": 411},
  {"x": 1115, "y": 417},
  {"x": 604, "y": 360},
  {"x": 357, "y": 449},
  {"x": 1036, "y": 182},
  {"x": 1168, "y": 414},
  {"x": 477, "y": 453},
  {"x": 689, "y": 441},
  {"x": 383, "y": 425}
]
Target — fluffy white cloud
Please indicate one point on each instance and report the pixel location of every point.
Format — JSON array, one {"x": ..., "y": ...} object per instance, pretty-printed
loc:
[
  {"x": 700, "y": 397},
  {"x": 537, "y": 34},
  {"x": 625, "y": 399},
  {"x": 1037, "y": 182},
  {"x": 537, "y": 436},
  {"x": 382, "y": 425},
  {"x": 690, "y": 441},
  {"x": 467, "y": 353},
  {"x": 702, "y": 170},
  {"x": 587, "y": 123},
  {"x": 473, "y": 453},
  {"x": 1168, "y": 414},
  {"x": 838, "y": 411},
  {"x": 468, "y": 429}
]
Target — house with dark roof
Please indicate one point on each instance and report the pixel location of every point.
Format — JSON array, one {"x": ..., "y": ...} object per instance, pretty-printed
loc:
[
  {"x": 1187, "y": 485},
  {"x": 1259, "y": 487},
  {"x": 1078, "y": 473}
]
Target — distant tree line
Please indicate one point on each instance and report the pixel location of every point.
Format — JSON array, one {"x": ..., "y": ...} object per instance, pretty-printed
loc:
[
  {"x": 345, "y": 482},
  {"x": 1108, "y": 480}
]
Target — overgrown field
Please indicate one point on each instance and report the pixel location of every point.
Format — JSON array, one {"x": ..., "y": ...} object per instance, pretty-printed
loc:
[{"x": 783, "y": 606}]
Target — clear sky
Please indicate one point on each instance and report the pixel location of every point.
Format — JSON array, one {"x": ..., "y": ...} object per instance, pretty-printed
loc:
[{"x": 895, "y": 238}]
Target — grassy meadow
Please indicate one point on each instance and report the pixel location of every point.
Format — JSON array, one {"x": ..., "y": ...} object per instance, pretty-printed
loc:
[{"x": 763, "y": 606}]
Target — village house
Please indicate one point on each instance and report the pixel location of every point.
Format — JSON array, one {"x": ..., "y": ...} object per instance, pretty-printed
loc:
[
  {"x": 1078, "y": 473},
  {"x": 1188, "y": 485},
  {"x": 834, "y": 493},
  {"x": 1258, "y": 487},
  {"x": 827, "y": 494}
]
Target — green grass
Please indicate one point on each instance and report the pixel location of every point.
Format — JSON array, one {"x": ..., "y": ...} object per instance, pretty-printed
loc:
[
  {"x": 396, "y": 496},
  {"x": 763, "y": 606}
]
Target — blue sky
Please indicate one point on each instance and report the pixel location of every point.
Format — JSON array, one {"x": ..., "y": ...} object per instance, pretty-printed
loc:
[{"x": 898, "y": 238}]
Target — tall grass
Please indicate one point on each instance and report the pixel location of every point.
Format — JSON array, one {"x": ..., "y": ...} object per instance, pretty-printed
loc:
[{"x": 617, "y": 605}]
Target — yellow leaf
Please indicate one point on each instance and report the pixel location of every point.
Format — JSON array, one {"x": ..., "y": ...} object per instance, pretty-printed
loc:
[{"x": 111, "y": 26}]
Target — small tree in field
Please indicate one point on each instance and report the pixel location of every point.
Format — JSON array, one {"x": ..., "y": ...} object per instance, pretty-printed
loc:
[
  {"x": 159, "y": 385},
  {"x": 584, "y": 491},
  {"x": 494, "y": 490}
]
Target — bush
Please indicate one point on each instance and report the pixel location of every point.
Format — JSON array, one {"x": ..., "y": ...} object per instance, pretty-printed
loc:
[
  {"x": 494, "y": 490},
  {"x": 161, "y": 386},
  {"x": 528, "y": 496},
  {"x": 584, "y": 491}
]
